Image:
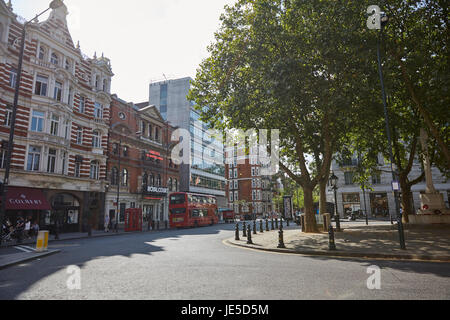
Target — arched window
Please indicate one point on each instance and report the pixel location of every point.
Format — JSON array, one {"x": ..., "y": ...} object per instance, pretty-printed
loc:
[
  {"x": 170, "y": 184},
  {"x": 95, "y": 170},
  {"x": 145, "y": 181},
  {"x": 125, "y": 177},
  {"x": 152, "y": 180},
  {"x": 54, "y": 59},
  {"x": 105, "y": 85},
  {"x": 96, "y": 139},
  {"x": 158, "y": 182},
  {"x": 97, "y": 81},
  {"x": 114, "y": 176}
]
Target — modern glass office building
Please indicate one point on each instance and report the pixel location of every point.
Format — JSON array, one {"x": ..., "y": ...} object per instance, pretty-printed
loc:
[{"x": 206, "y": 172}]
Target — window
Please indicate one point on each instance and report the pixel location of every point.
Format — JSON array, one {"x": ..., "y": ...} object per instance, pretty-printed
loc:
[
  {"x": 150, "y": 131},
  {"x": 79, "y": 136},
  {"x": 97, "y": 82},
  {"x": 231, "y": 196},
  {"x": 67, "y": 65},
  {"x": 51, "y": 161},
  {"x": 231, "y": 173},
  {"x": 253, "y": 183},
  {"x": 13, "y": 78},
  {"x": 236, "y": 195},
  {"x": 96, "y": 139},
  {"x": 125, "y": 151},
  {"x": 235, "y": 173},
  {"x": 78, "y": 164},
  {"x": 170, "y": 184},
  {"x": 158, "y": 181},
  {"x": 66, "y": 129},
  {"x": 82, "y": 107},
  {"x": 176, "y": 185},
  {"x": 54, "y": 59},
  {"x": 105, "y": 85},
  {"x": 125, "y": 177},
  {"x": 8, "y": 115},
  {"x": 348, "y": 178},
  {"x": 98, "y": 111},
  {"x": 34, "y": 158},
  {"x": 376, "y": 178},
  {"x": 70, "y": 97},
  {"x": 37, "y": 121},
  {"x": 114, "y": 176},
  {"x": 3, "y": 153},
  {"x": 115, "y": 149},
  {"x": 41, "y": 54},
  {"x": 41, "y": 85},
  {"x": 57, "y": 95},
  {"x": 54, "y": 125},
  {"x": 157, "y": 134},
  {"x": 95, "y": 170},
  {"x": 236, "y": 184},
  {"x": 64, "y": 163}
]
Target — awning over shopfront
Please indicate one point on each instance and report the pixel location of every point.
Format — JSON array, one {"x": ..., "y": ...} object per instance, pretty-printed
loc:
[{"x": 26, "y": 199}]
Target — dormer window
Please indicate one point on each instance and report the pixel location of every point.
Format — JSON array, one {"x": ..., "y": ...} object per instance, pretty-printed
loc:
[{"x": 54, "y": 59}]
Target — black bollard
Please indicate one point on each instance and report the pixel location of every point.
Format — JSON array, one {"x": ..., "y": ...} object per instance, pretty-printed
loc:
[
  {"x": 280, "y": 239},
  {"x": 261, "y": 229},
  {"x": 149, "y": 225},
  {"x": 281, "y": 222},
  {"x": 287, "y": 222},
  {"x": 276, "y": 223},
  {"x": 267, "y": 225},
  {"x": 331, "y": 242},
  {"x": 273, "y": 225},
  {"x": 254, "y": 227},
  {"x": 249, "y": 235},
  {"x": 244, "y": 230},
  {"x": 166, "y": 225},
  {"x": 157, "y": 225},
  {"x": 237, "y": 232}
]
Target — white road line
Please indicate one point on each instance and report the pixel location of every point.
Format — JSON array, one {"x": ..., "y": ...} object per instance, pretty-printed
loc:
[{"x": 24, "y": 249}]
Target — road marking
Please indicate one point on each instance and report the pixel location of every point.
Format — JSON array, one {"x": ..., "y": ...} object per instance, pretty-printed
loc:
[{"x": 25, "y": 249}]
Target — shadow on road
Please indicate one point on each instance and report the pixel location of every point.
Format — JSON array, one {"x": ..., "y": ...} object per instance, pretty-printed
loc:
[{"x": 16, "y": 280}]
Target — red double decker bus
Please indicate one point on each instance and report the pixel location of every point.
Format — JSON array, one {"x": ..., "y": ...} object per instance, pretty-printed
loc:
[{"x": 192, "y": 210}]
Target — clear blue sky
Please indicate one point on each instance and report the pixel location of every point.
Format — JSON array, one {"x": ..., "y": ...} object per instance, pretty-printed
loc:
[{"x": 143, "y": 38}]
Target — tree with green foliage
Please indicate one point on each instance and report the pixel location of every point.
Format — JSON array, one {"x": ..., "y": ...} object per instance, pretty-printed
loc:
[{"x": 292, "y": 66}]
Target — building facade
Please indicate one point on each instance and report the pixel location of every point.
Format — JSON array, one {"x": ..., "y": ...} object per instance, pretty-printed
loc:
[
  {"x": 58, "y": 166},
  {"x": 249, "y": 192},
  {"x": 140, "y": 171},
  {"x": 380, "y": 201},
  {"x": 205, "y": 174}
]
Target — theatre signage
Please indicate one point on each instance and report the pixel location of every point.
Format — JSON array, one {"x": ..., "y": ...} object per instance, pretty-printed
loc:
[{"x": 157, "y": 190}]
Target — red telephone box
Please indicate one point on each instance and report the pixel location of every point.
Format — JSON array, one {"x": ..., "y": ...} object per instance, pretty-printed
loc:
[{"x": 133, "y": 220}]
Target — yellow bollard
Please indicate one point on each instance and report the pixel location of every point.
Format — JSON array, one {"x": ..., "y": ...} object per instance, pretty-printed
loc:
[{"x": 42, "y": 241}]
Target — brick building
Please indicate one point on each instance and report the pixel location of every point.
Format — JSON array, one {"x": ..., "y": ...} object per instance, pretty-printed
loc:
[
  {"x": 140, "y": 172},
  {"x": 59, "y": 153},
  {"x": 249, "y": 193}
]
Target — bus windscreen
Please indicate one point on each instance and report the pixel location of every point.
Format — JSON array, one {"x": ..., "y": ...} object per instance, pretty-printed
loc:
[{"x": 177, "y": 199}]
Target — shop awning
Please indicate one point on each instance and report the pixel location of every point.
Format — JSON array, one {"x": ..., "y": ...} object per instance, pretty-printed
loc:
[{"x": 26, "y": 199}]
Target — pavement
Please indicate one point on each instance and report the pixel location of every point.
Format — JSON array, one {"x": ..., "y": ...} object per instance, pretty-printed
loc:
[{"x": 379, "y": 240}]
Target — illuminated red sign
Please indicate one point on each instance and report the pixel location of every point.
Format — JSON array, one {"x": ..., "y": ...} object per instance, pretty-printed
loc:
[{"x": 154, "y": 155}]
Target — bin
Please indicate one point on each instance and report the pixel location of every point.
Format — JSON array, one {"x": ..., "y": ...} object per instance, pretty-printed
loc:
[{"x": 42, "y": 241}]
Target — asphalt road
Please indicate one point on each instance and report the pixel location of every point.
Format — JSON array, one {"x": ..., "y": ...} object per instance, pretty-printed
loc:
[{"x": 194, "y": 264}]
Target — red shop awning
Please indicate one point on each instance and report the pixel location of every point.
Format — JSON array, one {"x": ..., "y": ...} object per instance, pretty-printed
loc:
[{"x": 26, "y": 199}]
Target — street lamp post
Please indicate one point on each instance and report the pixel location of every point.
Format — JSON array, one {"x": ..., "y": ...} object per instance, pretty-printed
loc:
[
  {"x": 380, "y": 20},
  {"x": 116, "y": 225},
  {"x": 333, "y": 182},
  {"x": 53, "y": 5}
]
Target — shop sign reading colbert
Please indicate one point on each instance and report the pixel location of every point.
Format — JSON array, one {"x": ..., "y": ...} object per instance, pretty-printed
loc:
[
  {"x": 24, "y": 201},
  {"x": 158, "y": 190}
]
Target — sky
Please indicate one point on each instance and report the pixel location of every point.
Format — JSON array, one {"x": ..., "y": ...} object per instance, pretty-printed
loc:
[{"x": 146, "y": 40}]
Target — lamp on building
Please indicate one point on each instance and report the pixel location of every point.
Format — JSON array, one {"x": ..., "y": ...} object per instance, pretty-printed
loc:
[
  {"x": 333, "y": 183},
  {"x": 53, "y": 5}
]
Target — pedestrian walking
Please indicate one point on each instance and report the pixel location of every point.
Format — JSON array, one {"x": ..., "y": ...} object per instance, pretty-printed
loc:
[
  {"x": 107, "y": 218},
  {"x": 35, "y": 229},
  {"x": 27, "y": 228}
]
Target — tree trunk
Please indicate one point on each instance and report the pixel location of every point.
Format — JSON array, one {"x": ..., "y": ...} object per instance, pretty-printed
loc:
[
  {"x": 323, "y": 198},
  {"x": 406, "y": 198},
  {"x": 310, "y": 219}
]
